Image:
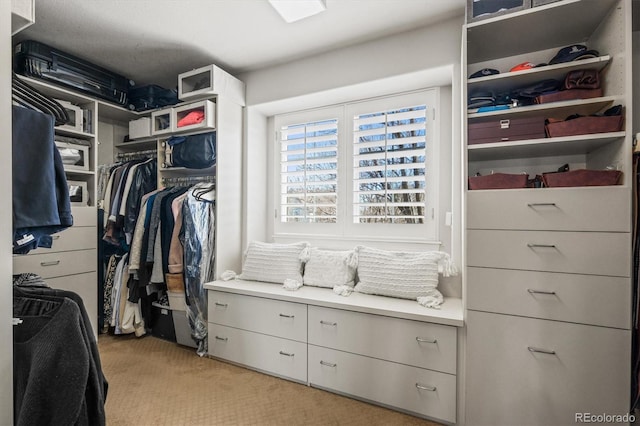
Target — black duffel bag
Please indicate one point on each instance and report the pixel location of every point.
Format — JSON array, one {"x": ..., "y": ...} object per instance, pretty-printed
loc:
[{"x": 192, "y": 152}]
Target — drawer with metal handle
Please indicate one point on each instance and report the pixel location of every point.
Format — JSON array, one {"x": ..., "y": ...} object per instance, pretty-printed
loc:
[
  {"x": 545, "y": 371},
  {"x": 597, "y": 253},
  {"x": 410, "y": 342},
  {"x": 422, "y": 391},
  {"x": 56, "y": 264},
  {"x": 281, "y": 357},
  {"x": 547, "y": 295},
  {"x": 551, "y": 209},
  {"x": 274, "y": 317},
  {"x": 74, "y": 238}
]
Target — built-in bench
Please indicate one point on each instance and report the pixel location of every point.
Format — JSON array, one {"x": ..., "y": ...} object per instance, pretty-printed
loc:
[{"x": 388, "y": 351}]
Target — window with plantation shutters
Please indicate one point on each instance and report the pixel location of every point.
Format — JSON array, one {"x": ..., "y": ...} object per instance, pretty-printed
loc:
[
  {"x": 362, "y": 170},
  {"x": 389, "y": 150},
  {"x": 309, "y": 172}
]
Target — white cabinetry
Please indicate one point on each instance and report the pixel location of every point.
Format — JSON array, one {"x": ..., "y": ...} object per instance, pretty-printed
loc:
[
  {"x": 388, "y": 351},
  {"x": 275, "y": 330},
  {"x": 71, "y": 262},
  {"x": 548, "y": 269}
]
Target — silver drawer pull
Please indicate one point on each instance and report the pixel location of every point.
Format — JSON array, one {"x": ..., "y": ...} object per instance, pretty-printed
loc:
[
  {"x": 534, "y": 205},
  {"x": 333, "y": 324},
  {"x": 542, "y": 351},
  {"x": 222, "y": 305},
  {"x": 423, "y": 340},
  {"x": 287, "y": 316},
  {"x": 532, "y": 291},
  {"x": 427, "y": 388},
  {"x": 532, "y": 246},
  {"x": 328, "y": 364},
  {"x": 222, "y": 339},
  {"x": 52, "y": 263},
  {"x": 286, "y": 353}
]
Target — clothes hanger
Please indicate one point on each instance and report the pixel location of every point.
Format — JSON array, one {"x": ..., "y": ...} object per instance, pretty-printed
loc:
[
  {"x": 204, "y": 192},
  {"x": 26, "y": 95}
]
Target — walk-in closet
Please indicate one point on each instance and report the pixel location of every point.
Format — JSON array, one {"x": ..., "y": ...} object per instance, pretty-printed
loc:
[{"x": 416, "y": 212}]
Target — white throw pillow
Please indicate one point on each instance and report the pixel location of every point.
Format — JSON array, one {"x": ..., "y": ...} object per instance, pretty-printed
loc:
[
  {"x": 329, "y": 268},
  {"x": 405, "y": 275},
  {"x": 273, "y": 262}
]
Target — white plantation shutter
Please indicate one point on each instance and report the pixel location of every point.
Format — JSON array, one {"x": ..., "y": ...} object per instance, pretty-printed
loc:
[
  {"x": 309, "y": 172},
  {"x": 389, "y": 166}
]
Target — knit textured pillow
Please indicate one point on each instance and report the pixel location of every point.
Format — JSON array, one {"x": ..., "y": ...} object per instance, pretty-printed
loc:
[
  {"x": 329, "y": 268},
  {"x": 274, "y": 263},
  {"x": 405, "y": 275}
]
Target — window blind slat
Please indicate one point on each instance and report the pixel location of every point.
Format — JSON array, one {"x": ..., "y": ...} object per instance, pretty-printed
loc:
[
  {"x": 389, "y": 166},
  {"x": 308, "y": 172}
]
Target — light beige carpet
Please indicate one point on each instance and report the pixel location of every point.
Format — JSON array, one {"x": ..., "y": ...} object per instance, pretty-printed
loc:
[{"x": 155, "y": 382}]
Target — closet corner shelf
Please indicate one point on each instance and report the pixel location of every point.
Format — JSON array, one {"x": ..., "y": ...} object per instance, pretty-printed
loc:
[
  {"x": 76, "y": 133},
  {"x": 188, "y": 172},
  {"x": 567, "y": 145},
  {"x": 573, "y": 20},
  {"x": 513, "y": 80},
  {"x": 79, "y": 172},
  {"x": 138, "y": 143},
  {"x": 552, "y": 109}
]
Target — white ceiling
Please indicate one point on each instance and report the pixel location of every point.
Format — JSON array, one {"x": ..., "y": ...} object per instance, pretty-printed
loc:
[{"x": 151, "y": 41}]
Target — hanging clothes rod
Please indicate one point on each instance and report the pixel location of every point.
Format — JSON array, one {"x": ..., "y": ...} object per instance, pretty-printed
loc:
[
  {"x": 186, "y": 180},
  {"x": 124, "y": 156}
]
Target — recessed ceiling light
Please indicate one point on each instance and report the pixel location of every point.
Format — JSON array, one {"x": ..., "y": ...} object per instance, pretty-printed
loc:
[{"x": 294, "y": 10}]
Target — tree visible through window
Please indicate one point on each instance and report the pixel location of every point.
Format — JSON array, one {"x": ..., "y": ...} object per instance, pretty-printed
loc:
[
  {"x": 309, "y": 167},
  {"x": 389, "y": 151}
]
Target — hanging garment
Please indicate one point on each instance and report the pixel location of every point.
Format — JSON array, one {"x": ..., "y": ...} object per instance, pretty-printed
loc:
[
  {"x": 198, "y": 214},
  {"x": 56, "y": 379},
  {"x": 41, "y": 204}
]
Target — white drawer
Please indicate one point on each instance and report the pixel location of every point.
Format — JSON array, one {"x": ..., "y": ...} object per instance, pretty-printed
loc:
[
  {"x": 587, "y": 299},
  {"x": 56, "y": 264},
  {"x": 84, "y": 216},
  {"x": 599, "y": 253},
  {"x": 74, "y": 238},
  {"x": 86, "y": 286},
  {"x": 428, "y": 393},
  {"x": 281, "y": 357},
  {"x": 552, "y": 209},
  {"x": 408, "y": 342},
  {"x": 268, "y": 316},
  {"x": 510, "y": 380}
]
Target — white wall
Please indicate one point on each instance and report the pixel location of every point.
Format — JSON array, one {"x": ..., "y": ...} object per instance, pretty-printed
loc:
[
  {"x": 6, "y": 267},
  {"x": 425, "y": 57}
]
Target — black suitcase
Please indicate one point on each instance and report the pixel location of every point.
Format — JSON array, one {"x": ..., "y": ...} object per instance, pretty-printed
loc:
[
  {"x": 35, "y": 59},
  {"x": 150, "y": 97}
]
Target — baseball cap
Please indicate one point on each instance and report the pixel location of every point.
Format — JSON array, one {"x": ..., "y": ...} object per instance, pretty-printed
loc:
[
  {"x": 523, "y": 66},
  {"x": 484, "y": 72},
  {"x": 573, "y": 53}
]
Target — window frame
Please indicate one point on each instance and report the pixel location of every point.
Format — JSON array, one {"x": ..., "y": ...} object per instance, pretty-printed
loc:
[{"x": 345, "y": 228}]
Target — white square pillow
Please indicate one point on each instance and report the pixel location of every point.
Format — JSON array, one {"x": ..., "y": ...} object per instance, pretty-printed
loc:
[
  {"x": 329, "y": 268},
  {"x": 405, "y": 275},
  {"x": 273, "y": 262}
]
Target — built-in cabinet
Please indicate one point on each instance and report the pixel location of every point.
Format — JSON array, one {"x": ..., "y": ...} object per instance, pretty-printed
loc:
[
  {"x": 548, "y": 287},
  {"x": 383, "y": 350},
  {"x": 224, "y": 116},
  {"x": 71, "y": 262}
]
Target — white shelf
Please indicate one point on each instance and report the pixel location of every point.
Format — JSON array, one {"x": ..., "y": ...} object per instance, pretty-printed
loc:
[
  {"x": 513, "y": 80},
  {"x": 22, "y": 15},
  {"x": 572, "y": 22},
  {"x": 551, "y": 109},
  {"x": 75, "y": 133},
  {"x": 549, "y": 147}
]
